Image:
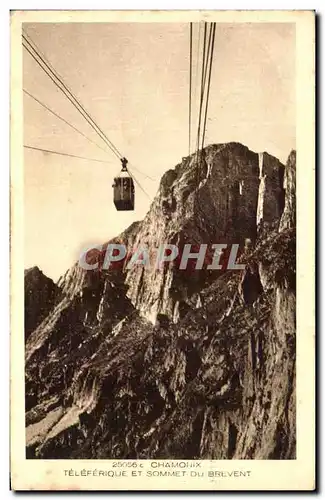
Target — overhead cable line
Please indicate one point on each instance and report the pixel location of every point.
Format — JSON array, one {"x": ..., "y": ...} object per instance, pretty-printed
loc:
[
  {"x": 71, "y": 97},
  {"x": 197, "y": 71},
  {"x": 138, "y": 184},
  {"x": 79, "y": 131},
  {"x": 81, "y": 158},
  {"x": 63, "y": 119},
  {"x": 202, "y": 86},
  {"x": 63, "y": 154},
  {"x": 206, "y": 71},
  {"x": 207, "y": 60},
  {"x": 142, "y": 173},
  {"x": 209, "y": 84},
  {"x": 190, "y": 92},
  {"x": 57, "y": 75},
  {"x": 33, "y": 50}
]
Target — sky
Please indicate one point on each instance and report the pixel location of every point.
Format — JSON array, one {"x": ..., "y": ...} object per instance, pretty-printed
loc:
[{"x": 133, "y": 78}]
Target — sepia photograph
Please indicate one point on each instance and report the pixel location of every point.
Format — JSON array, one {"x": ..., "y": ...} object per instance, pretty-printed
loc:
[{"x": 158, "y": 253}]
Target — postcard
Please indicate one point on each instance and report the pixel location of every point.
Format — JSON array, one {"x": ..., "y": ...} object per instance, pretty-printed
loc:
[{"x": 162, "y": 250}]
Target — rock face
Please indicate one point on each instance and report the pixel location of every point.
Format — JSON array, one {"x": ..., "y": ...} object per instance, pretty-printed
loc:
[
  {"x": 40, "y": 296},
  {"x": 271, "y": 189},
  {"x": 288, "y": 219},
  {"x": 144, "y": 362},
  {"x": 216, "y": 202}
]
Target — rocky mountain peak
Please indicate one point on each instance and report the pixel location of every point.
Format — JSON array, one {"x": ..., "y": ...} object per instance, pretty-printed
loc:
[
  {"x": 143, "y": 363},
  {"x": 219, "y": 196}
]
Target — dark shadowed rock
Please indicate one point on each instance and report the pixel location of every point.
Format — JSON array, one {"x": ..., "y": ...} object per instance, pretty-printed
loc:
[{"x": 40, "y": 295}]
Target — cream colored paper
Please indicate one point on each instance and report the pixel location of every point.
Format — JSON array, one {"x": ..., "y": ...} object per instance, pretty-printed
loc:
[{"x": 238, "y": 475}]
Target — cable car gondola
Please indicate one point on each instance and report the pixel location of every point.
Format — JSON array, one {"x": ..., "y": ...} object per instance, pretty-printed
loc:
[{"x": 123, "y": 189}]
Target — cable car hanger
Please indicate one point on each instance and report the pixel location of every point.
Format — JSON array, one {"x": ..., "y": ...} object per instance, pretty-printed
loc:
[{"x": 124, "y": 162}]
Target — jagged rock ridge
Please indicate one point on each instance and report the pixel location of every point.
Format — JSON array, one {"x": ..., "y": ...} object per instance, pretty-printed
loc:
[{"x": 140, "y": 364}]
